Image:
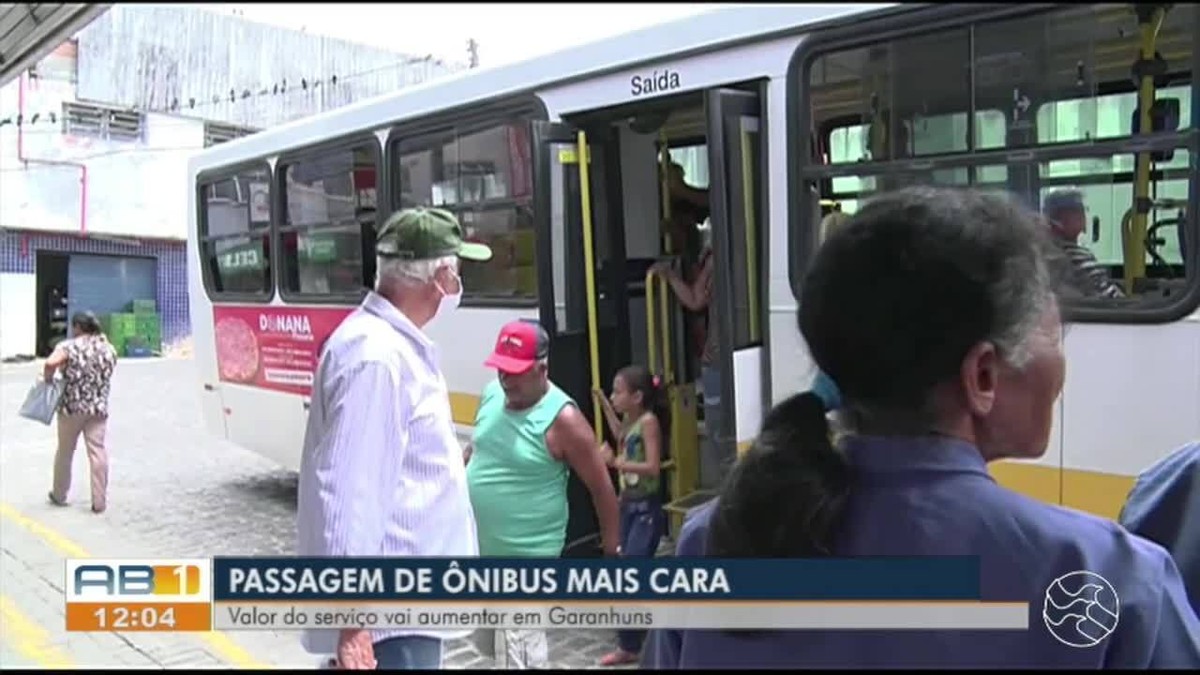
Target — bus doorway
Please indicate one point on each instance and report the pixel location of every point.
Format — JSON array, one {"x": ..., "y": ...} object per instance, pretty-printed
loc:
[{"x": 673, "y": 183}]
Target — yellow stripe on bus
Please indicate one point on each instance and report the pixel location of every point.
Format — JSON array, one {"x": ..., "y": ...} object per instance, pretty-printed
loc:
[{"x": 1096, "y": 492}]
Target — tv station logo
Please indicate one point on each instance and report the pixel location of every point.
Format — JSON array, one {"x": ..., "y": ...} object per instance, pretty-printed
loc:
[{"x": 139, "y": 580}]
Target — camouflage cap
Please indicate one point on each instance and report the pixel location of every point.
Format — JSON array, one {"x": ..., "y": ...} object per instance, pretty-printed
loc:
[{"x": 425, "y": 234}]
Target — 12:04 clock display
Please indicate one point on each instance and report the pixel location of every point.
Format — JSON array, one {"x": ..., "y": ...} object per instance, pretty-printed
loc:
[{"x": 148, "y": 617}]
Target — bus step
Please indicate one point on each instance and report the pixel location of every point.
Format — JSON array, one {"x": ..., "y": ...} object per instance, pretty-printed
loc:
[{"x": 690, "y": 501}]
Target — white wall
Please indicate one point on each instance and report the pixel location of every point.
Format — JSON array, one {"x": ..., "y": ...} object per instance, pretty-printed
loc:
[
  {"x": 134, "y": 189},
  {"x": 18, "y": 299}
]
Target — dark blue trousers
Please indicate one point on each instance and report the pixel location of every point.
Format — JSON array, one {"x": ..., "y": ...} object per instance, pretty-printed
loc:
[{"x": 642, "y": 525}]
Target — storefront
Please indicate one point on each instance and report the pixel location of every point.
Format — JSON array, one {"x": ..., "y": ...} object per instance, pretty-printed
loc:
[{"x": 45, "y": 278}]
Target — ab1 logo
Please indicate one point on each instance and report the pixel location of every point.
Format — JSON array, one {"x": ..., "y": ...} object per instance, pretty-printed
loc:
[{"x": 133, "y": 579}]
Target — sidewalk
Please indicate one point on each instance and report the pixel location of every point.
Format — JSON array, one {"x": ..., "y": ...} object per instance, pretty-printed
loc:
[{"x": 32, "y": 623}]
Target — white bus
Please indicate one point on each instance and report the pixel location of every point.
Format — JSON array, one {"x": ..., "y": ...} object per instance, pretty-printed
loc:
[{"x": 783, "y": 114}]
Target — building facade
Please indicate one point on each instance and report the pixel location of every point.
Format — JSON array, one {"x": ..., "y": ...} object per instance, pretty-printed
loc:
[{"x": 94, "y": 143}]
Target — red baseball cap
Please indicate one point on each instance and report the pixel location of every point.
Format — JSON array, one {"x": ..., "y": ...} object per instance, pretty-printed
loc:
[{"x": 520, "y": 345}]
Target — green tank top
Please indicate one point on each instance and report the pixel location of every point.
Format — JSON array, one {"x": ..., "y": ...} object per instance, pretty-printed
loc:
[
  {"x": 634, "y": 485},
  {"x": 518, "y": 489}
]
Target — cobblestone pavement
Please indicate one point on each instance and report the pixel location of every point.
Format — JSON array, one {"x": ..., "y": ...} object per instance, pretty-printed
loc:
[{"x": 174, "y": 492}]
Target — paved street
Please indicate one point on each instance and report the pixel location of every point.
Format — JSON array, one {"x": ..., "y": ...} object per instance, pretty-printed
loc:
[{"x": 174, "y": 492}]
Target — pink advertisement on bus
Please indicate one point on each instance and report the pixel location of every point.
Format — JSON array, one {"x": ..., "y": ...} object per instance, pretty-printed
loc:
[{"x": 274, "y": 348}]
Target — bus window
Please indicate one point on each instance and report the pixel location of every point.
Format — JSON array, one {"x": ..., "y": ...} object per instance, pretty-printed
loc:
[
  {"x": 485, "y": 177},
  {"x": 330, "y": 205},
  {"x": 926, "y": 136},
  {"x": 235, "y": 232},
  {"x": 1106, "y": 183},
  {"x": 1052, "y": 84},
  {"x": 694, "y": 160}
]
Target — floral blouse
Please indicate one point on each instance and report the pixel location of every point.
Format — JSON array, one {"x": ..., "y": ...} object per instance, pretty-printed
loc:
[{"x": 87, "y": 375}]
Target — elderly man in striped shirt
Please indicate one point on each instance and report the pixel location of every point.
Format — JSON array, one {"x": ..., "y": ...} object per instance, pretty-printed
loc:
[
  {"x": 382, "y": 471},
  {"x": 1068, "y": 220}
]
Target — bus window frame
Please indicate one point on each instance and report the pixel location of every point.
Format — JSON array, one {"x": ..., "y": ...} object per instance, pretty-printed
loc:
[
  {"x": 930, "y": 20},
  {"x": 424, "y": 133},
  {"x": 279, "y": 212},
  {"x": 203, "y": 180}
]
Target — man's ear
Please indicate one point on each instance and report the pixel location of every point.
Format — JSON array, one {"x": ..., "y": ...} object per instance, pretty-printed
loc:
[{"x": 979, "y": 376}]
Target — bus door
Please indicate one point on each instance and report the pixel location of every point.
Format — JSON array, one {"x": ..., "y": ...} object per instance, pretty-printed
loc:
[
  {"x": 738, "y": 227},
  {"x": 573, "y": 305}
]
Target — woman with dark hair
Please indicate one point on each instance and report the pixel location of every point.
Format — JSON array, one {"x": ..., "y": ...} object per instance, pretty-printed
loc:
[
  {"x": 935, "y": 313},
  {"x": 87, "y": 361}
]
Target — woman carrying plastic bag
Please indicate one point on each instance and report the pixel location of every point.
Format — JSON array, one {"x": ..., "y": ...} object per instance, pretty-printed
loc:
[
  {"x": 42, "y": 401},
  {"x": 87, "y": 362}
]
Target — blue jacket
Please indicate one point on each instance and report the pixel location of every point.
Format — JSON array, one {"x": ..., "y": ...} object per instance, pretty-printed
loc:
[
  {"x": 934, "y": 497},
  {"x": 1164, "y": 507}
]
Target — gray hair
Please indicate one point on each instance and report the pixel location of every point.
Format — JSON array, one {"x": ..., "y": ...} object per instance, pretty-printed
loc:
[
  {"x": 410, "y": 272},
  {"x": 976, "y": 266}
]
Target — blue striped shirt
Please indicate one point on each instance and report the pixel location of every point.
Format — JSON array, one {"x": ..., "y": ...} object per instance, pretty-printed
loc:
[{"x": 382, "y": 470}]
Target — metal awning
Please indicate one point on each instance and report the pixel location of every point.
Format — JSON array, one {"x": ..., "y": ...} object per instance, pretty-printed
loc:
[{"x": 28, "y": 32}]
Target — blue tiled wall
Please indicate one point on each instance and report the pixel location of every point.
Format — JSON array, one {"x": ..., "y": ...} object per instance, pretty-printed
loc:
[{"x": 18, "y": 255}]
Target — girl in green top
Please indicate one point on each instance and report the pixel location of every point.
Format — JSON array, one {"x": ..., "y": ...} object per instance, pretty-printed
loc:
[{"x": 637, "y": 417}]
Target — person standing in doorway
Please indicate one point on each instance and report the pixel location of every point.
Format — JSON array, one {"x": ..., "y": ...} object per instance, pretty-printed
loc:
[
  {"x": 695, "y": 292},
  {"x": 528, "y": 433},
  {"x": 87, "y": 361},
  {"x": 381, "y": 472}
]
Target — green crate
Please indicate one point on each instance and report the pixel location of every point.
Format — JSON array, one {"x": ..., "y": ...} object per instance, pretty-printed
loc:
[
  {"x": 142, "y": 344},
  {"x": 143, "y": 306},
  {"x": 152, "y": 341},
  {"x": 145, "y": 323},
  {"x": 122, "y": 323}
]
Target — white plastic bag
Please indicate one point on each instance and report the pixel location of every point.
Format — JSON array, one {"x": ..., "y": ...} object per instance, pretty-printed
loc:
[{"x": 42, "y": 401}]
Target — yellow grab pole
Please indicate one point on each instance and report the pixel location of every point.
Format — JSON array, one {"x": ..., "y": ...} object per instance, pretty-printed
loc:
[
  {"x": 663, "y": 296},
  {"x": 664, "y": 317},
  {"x": 651, "y": 341},
  {"x": 1135, "y": 245},
  {"x": 589, "y": 270}
]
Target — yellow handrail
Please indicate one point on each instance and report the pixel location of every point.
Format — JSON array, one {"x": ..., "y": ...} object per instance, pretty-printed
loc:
[
  {"x": 1135, "y": 244},
  {"x": 664, "y": 318},
  {"x": 651, "y": 334},
  {"x": 749, "y": 212},
  {"x": 589, "y": 270}
]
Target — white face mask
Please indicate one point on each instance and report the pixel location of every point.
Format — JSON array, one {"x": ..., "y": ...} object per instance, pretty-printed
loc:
[{"x": 448, "y": 302}]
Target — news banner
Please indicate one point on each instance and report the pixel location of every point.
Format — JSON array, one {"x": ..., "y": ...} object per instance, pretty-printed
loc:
[{"x": 457, "y": 594}]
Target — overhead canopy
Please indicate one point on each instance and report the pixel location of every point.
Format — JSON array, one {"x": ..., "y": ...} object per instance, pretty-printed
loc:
[{"x": 28, "y": 32}]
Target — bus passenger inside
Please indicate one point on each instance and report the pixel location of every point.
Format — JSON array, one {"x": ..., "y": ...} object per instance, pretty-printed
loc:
[
  {"x": 1068, "y": 219},
  {"x": 689, "y": 210},
  {"x": 693, "y": 289}
]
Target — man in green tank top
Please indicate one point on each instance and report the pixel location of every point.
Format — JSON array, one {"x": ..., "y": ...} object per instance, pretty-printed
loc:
[{"x": 528, "y": 435}]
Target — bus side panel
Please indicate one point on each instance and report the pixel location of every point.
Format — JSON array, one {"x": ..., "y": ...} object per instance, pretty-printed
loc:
[
  {"x": 464, "y": 340},
  {"x": 203, "y": 342},
  {"x": 269, "y": 423},
  {"x": 1132, "y": 396}
]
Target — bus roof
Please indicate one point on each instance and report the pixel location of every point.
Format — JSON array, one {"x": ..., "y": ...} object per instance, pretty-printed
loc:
[{"x": 706, "y": 31}]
